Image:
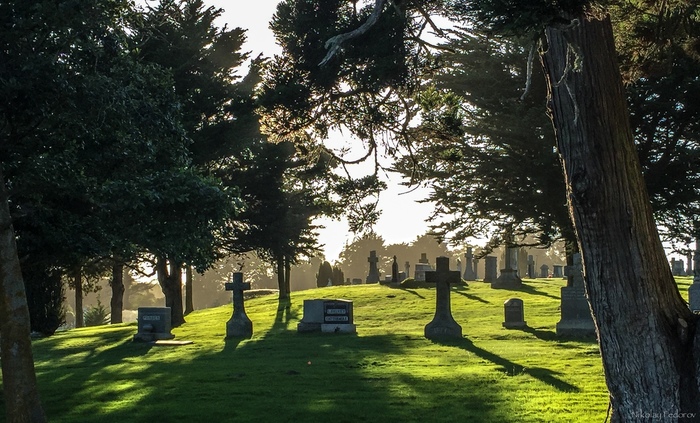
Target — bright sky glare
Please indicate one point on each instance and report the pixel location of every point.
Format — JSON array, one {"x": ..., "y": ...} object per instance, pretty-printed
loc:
[{"x": 403, "y": 218}]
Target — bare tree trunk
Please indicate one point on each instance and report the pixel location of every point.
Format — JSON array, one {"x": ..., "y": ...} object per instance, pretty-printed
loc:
[
  {"x": 287, "y": 275},
  {"x": 189, "y": 304},
  {"x": 645, "y": 330},
  {"x": 280, "y": 278},
  {"x": 78, "y": 285},
  {"x": 170, "y": 280},
  {"x": 22, "y": 401},
  {"x": 117, "y": 301}
]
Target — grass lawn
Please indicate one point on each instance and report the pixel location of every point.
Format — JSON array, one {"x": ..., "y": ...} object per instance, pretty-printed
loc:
[{"x": 388, "y": 372}]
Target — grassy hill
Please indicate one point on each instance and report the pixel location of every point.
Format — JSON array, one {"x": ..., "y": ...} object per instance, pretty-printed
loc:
[{"x": 388, "y": 372}]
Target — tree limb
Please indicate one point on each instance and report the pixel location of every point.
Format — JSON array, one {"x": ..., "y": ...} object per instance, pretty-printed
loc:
[{"x": 334, "y": 43}]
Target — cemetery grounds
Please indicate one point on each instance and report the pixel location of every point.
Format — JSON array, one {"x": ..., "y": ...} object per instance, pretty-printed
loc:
[{"x": 387, "y": 372}]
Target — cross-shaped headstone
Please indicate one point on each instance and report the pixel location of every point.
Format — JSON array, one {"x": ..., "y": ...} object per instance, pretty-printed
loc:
[
  {"x": 239, "y": 326},
  {"x": 469, "y": 268},
  {"x": 373, "y": 275},
  {"x": 443, "y": 324}
]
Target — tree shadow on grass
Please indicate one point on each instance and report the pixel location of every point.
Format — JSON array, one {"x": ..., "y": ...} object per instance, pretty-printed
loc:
[
  {"x": 411, "y": 291},
  {"x": 511, "y": 368},
  {"x": 533, "y": 291},
  {"x": 471, "y": 296}
]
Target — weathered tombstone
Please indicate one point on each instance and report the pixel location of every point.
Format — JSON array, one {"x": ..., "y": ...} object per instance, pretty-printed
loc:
[
  {"x": 239, "y": 325},
  {"x": 509, "y": 278},
  {"x": 677, "y": 267},
  {"x": 337, "y": 317},
  {"x": 544, "y": 271},
  {"x": 312, "y": 319},
  {"x": 407, "y": 269},
  {"x": 325, "y": 315},
  {"x": 694, "y": 288},
  {"x": 476, "y": 266},
  {"x": 514, "y": 313},
  {"x": 469, "y": 271},
  {"x": 402, "y": 276},
  {"x": 153, "y": 324},
  {"x": 373, "y": 276},
  {"x": 491, "y": 271},
  {"x": 557, "y": 271},
  {"x": 395, "y": 272},
  {"x": 443, "y": 324},
  {"x": 356, "y": 281},
  {"x": 531, "y": 267},
  {"x": 576, "y": 319},
  {"x": 422, "y": 266}
]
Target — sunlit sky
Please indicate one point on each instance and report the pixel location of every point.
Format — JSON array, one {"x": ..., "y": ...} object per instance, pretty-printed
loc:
[{"x": 403, "y": 219}]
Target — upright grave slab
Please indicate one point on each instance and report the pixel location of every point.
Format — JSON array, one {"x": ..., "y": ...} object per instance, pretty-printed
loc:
[
  {"x": 337, "y": 317},
  {"x": 544, "y": 271},
  {"x": 514, "y": 314},
  {"x": 694, "y": 288},
  {"x": 154, "y": 323},
  {"x": 407, "y": 270},
  {"x": 239, "y": 325},
  {"x": 576, "y": 319},
  {"x": 491, "y": 270},
  {"x": 443, "y": 324},
  {"x": 558, "y": 270},
  {"x": 476, "y": 267},
  {"x": 677, "y": 267},
  {"x": 327, "y": 315},
  {"x": 395, "y": 273},
  {"x": 469, "y": 267},
  {"x": 373, "y": 276}
]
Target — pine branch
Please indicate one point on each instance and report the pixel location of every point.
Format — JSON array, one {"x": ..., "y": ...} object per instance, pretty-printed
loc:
[{"x": 334, "y": 44}]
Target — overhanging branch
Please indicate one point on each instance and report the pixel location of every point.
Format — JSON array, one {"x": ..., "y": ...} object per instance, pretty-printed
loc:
[{"x": 334, "y": 43}]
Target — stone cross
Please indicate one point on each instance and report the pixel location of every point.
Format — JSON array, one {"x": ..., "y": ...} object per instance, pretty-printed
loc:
[
  {"x": 443, "y": 324},
  {"x": 373, "y": 275},
  {"x": 407, "y": 268},
  {"x": 469, "y": 272},
  {"x": 531, "y": 267},
  {"x": 239, "y": 326}
]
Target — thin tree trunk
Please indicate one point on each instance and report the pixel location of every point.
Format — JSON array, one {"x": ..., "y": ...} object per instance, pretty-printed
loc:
[
  {"x": 189, "y": 304},
  {"x": 78, "y": 285},
  {"x": 287, "y": 275},
  {"x": 170, "y": 281},
  {"x": 646, "y": 332},
  {"x": 117, "y": 301},
  {"x": 21, "y": 395},
  {"x": 280, "y": 278}
]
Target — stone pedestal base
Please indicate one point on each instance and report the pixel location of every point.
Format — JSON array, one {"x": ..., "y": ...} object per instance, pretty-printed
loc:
[
  {"x": 576, "y": 328},
  {"x": 514, "y": 325},
  {"x": 239, "y": 328},
  {"x": 152, "y": 337},
  {"x": 509, "y": 279},
  {"x": 338, "y": 328},
  {"x": 443, "y": 329}
]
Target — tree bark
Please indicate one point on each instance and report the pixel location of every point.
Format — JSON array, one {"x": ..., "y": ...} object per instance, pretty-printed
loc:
[
  {"x": 645, "y": 330},
  {"x": 117, "y": 301},
  {"x": 21, "y": 395},
  {"x": 287, "y": 275},
  {"x": 78, "y": 285},
  {"x": 189, "y": 304},
  {"x": 170, "y": 281},
  {"x": 280, "y": 278}
]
